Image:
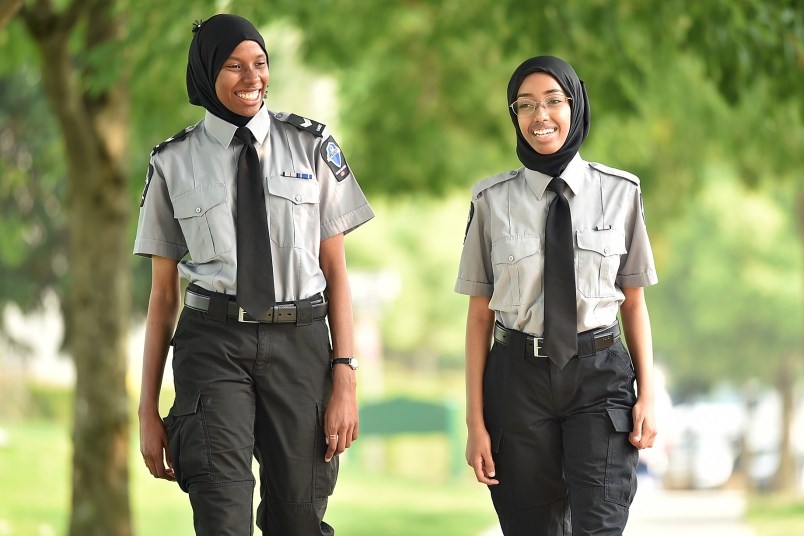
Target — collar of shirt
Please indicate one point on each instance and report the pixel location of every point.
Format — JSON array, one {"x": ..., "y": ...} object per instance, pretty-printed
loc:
[
  {"x": 224, "y": 132},
  {"x": 573, "y": 175}
]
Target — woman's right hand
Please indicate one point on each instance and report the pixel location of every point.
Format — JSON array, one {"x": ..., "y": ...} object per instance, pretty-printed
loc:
[
  {"x": 154, "y": 447},
  {"x": 478, "y": 456}
]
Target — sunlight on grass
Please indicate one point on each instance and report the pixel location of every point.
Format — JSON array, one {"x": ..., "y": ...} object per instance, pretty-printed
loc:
[
  {"x": 776, "y": 516},
  {"x": 34, "y": 484}
]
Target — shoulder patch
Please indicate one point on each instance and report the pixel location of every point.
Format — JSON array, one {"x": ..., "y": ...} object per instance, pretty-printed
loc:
[
  {"x": 334, "y": 158},
  {"x": 148, "y": 176},
  {"x": 180, "y": 135},
  {"x": 469, "y": 220},
  {"x": 302, "y": 123},
  {"x": 616, "y": 172},
  {"x": 488, "y": 182}
]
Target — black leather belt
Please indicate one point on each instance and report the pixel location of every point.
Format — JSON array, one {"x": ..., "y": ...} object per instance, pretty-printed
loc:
[
  {"x": 285, "y": 312},
  {"x": 589, "y": 342}
]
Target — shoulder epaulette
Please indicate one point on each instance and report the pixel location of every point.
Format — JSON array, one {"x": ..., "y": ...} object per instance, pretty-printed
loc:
[
  {"x": 180, "y": 135},
  {"x": 302, "y": 123},
  {"x": 616, "y": 172},
  {"x": 488, "y": 182}
]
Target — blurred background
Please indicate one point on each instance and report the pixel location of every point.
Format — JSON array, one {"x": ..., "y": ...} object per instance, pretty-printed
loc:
[{"x": 703, "y": 101}]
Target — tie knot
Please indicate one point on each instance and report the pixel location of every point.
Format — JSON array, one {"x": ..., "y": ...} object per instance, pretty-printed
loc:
[
  {"x": 557, "y": 185},
  {"x": 244, "y": 135}
]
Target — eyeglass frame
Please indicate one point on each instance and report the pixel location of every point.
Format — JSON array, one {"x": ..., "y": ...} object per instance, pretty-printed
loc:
[{"x": 539, "y": 103}]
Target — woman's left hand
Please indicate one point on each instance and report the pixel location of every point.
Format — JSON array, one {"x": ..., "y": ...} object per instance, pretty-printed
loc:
[
  {"x": 644, "y": 424},
  {"x": 341, "y": 418}
]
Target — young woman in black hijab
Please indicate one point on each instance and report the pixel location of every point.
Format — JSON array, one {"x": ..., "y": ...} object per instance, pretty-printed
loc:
[
  {"x": 553, "y": 252},
  {"x": 263, "y": 361}
]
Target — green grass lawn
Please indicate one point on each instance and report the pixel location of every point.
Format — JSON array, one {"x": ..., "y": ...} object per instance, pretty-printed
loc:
[
  {"x": 776, "y": 516},
  {"x": 34, "y": 491}
]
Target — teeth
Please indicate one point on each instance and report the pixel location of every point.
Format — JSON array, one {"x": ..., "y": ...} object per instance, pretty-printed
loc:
[
  {"x": 248, "y": 95},
  {"x": 544, "y": 132}
]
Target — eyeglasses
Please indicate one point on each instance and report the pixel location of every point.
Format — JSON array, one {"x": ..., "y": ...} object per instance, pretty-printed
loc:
[{"x": 527, "y": 107}]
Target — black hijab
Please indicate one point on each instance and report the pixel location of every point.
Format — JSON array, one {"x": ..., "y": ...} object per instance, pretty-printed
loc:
[
  {"x": 213, "y": 42},
  {"x": 552, "y": 164}
]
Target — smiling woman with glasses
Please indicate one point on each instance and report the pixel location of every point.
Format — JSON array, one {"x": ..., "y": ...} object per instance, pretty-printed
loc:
[{"x": 553, "y": 252}]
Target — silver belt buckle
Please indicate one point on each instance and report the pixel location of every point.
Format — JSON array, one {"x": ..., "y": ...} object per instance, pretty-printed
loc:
[
  {"x": 240, "y": 318},
  {"x": 537, "y": 346}
]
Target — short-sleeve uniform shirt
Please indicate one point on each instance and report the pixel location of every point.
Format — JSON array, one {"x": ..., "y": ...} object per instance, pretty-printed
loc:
[
  {"x": 503, "y": 252},
  {"x": 189, "y": 202}
]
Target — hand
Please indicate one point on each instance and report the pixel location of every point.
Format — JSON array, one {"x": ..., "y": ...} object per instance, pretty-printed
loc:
[
  {"x": 341, "y": 418},
  {"x": 644, "y": 432},
  {"x": 154, "y": 447},
  {"x": 478, "y": 456}
]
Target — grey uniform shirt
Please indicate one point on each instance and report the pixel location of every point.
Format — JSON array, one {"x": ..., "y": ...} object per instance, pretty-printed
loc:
[
  {"x": 503, "y": 253},
  {"x": 189, "y": 203}
]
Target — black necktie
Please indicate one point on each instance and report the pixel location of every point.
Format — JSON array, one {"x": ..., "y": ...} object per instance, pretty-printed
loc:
[
  {"x": 255, "y": 271},
  {"x": 560, "y": 310}
]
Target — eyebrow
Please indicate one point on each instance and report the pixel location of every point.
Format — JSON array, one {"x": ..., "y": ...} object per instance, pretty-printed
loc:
[
  {"x": 548, "y": 92},
  {"x": 239, "y": 59}
]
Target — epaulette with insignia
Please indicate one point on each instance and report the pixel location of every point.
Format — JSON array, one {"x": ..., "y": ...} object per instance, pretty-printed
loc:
[
  {"x": 302, "y": 123},
  {"x": 180, "y": 135},
  {"x": 488, "y": 182},
  {"x": 616, "y": 172}
]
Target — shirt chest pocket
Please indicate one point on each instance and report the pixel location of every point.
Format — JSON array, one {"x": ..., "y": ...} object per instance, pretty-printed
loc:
[
  {"x": 518, "y": 271},
  {"x": 598, "y": 260},
  {"x": 206, "y": 221},
  {"x": 293, "y": 212}
]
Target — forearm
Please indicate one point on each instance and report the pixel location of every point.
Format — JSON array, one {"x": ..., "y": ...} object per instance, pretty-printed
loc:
[
  {"x": 636, "y": 325},
  {"x": 479, "y": 323},
  {"x": 163, "y": 307},
  {"x": 333, "y": 265}
]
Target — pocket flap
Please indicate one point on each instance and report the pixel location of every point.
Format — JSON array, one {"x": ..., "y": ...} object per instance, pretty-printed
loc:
[
  {"x": 621, "y": 419},
  {"x": 294, "y": 190},
  {"x": 513, "y": 249},
  {"x": 198, "y": 201},
  {"x": 185, "y": 404},
  {"x": 608, "y": 242}
]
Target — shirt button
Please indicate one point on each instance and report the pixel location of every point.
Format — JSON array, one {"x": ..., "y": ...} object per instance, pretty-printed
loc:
[
  {"x": 510, "y": 258},
  {"x": 606, "y": 251},
  {"x": 197, "y": 210},
  {"x": 298, "y": 198}
]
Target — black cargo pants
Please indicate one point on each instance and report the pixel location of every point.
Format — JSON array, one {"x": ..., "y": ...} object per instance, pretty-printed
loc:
[
  {"x": 246, "y": 390},
  {"x": 560, "y": 442}
]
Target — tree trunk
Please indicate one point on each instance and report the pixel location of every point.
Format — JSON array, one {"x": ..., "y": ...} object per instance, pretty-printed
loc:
[
  {"x": 785, "y": 478},
  {"x": 94, "y": 126}
]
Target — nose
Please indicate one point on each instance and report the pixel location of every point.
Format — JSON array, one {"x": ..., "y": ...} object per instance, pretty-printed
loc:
[
  {"x": 540, "y": 112},
  {"x": 250, "y": 73}
]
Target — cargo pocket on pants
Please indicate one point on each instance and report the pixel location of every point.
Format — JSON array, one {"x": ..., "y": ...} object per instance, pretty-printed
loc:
[
  {"x": 187, "y": 440},
  {"x": 325, "y": 474},
  {"x": 621, "y": 484}
]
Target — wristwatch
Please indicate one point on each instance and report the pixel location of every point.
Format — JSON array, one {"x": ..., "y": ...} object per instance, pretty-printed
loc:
[{"x": 350, "y": 361}]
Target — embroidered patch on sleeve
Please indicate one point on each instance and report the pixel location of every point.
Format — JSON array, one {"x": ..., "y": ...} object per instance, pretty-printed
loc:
[
  {"x": 147, "y": 184},
  {"x": 334, "y": 158},
  {"x": 469, "y": 220}
]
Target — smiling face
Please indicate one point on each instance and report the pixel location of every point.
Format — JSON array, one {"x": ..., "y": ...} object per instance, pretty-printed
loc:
[
  {"x": 242, "y": 80},
  {"x": 545, "y": 130}
]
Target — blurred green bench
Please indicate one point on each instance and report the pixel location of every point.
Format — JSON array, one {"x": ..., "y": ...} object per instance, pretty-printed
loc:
[{"x": 403, "y": 415}]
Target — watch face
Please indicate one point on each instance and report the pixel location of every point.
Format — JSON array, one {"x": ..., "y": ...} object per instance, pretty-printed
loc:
[{"x": 354, "y": 363}]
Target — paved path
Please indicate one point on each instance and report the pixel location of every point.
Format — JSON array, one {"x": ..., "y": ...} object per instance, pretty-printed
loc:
[
  {"x": 688, "y": 513},
  {"x": 658, "y": 512}
]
